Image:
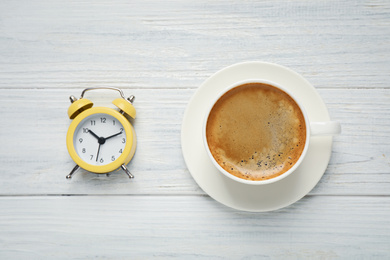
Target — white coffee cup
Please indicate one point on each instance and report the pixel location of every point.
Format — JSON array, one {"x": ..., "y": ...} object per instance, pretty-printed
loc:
[{"x": 312, "y": 129}]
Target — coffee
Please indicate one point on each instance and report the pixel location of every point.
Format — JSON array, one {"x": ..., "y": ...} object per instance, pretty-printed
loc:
[{"x": 256, "y": 131}]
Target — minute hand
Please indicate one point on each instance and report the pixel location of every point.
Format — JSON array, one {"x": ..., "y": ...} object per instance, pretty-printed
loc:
[
  {"x": 114, "y": 135},
  {"x": 92, "y": 133}
]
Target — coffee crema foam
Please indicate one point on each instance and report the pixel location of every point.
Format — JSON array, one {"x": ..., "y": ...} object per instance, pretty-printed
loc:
[{"x": 256, "y": 131}]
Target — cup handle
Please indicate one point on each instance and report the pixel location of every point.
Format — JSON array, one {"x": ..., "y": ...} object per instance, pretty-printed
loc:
[{"x": 325, "y": 128}]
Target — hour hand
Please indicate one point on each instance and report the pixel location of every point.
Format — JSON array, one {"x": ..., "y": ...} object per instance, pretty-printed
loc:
[
  {"x": 92, "y": 133},
  {"x": 114, "y": 135}
]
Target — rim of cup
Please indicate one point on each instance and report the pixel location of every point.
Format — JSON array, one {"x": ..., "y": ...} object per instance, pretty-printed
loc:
[{"x": 257, "y": 182}]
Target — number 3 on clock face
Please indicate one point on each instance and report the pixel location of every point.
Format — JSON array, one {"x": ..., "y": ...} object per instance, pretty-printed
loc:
[{"x": 101, "y": 139}]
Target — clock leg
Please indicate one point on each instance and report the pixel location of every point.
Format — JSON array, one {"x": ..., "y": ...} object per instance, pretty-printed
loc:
[
  {"x": 69, "y": 176},
  {"x": 124, "y": 168}
]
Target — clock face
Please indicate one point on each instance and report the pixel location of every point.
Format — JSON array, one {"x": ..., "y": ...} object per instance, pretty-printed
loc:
[{"x": 99, "y": 139}]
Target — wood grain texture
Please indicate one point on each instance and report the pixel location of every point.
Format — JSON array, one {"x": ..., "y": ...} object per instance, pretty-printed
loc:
[
  {"x": 139, "y": 227},
  {"x": 52, "y": 44},
  {"x": 161, "y": 52}
]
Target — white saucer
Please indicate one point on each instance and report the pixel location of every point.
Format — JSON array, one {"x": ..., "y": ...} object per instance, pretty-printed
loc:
[{"x": 255, "y": 198}]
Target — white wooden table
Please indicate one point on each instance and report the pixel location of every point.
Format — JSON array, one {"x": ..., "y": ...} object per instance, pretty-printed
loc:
[{"x": 161, "y": 53}]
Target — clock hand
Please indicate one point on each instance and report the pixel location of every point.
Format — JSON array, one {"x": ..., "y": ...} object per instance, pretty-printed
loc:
[
  {"x": 92, "y": 133},
  {"x": 101, "y": 140},
  {"x": 114, "y": 135},
  {"x": 97, "y": 156}
]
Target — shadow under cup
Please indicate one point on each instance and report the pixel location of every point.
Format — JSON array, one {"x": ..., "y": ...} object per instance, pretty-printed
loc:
[{"x": 256, "y": 132}]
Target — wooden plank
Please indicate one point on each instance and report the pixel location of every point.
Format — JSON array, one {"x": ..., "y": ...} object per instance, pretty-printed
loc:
[
  {"x": 360, "y": 158},
  {"x": 34, "y": 159},
  {"x": 140, "y": 227},
  {"x": 71, "y": 44}
]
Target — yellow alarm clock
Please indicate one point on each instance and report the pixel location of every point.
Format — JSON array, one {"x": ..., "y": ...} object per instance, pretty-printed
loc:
[{"x": 101, "y": 139}]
